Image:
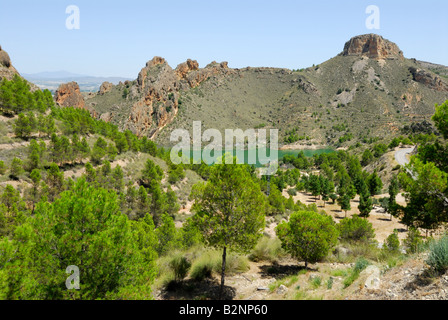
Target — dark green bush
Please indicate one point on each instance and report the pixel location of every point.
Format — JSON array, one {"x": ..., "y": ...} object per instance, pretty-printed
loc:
[
  {"x": 392, "y": 242},
  {"x": 356, "y": 229}
]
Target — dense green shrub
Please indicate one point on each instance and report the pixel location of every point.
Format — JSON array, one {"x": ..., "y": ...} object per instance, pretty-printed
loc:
[
  {"x": 392, "y": 242},
  {"x": 356, "y": 229},
  {"x": 308, "y": 235},
  {"x": 16, "y": 97}
]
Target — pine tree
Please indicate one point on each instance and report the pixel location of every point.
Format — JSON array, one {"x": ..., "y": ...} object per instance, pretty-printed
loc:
[
  {"x": 344, "y": 201},
  {"x": 229, "y": 210},
  {"x": 54, "y": 181},
  {"x": 16, "y": 168},
  {"x": 90, "y": 174},
  {"x": 171, "y": 201},
  {"x": 36, "y": 178},
  {"x": 393, "y": 192},
  {"x": 2, "y": 167},
  {"x": 308, "y": 236},
  {"x": 143, "y": 203},
  {"x": 314, "y": 186},
  {"x": 365, "y": 201},
  {"x": 374, "y": 184},
  {"x": 34, "y": 156},
  {"x": 22, "y": 127},
  {"x": 117, "y": 179}
]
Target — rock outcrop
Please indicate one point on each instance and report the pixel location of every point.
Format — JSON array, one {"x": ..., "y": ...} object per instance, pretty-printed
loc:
[
  {"x": 105, "y": 87},
  {"x": 428, "y": 79},
  {"x": 158, "y": 90},
  {"x": 6, "y": 68},
  {"x": 183, "y": 69},
  {"x": 196, "y": 76},
  {"x": 373, "y": 46},
  {"x": 69, "y": 95},
  {"x": 4, "y": 58}
]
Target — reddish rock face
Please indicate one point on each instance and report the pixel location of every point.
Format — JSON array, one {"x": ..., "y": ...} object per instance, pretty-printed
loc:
[
  {"x": 184, "y": 68},
  {"x": 105, "y": 87},
  {"x": 159, "y": 85},
  {"x": 372, "y": 46},
  {"x": 69, "y": 95}
]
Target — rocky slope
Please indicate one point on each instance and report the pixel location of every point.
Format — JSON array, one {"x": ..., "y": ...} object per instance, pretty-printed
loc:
[
  {"x": 411, "y": 281},
  {"x": 6, "y": 68},
  {"x": 368, "y": 90}
]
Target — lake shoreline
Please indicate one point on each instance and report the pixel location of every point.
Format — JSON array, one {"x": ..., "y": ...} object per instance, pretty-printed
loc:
[{"x": 302, "y": 147}]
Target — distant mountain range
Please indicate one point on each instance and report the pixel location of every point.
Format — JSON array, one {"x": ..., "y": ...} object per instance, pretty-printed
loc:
[
  {"x": 368, "y": 91},
  {"x": 51, "y": 80}
]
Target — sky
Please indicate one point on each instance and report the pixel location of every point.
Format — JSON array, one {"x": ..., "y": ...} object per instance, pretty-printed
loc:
[{"x": 117, "y": 38}]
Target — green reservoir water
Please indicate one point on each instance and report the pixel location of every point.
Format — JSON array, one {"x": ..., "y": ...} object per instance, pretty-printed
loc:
[{"x": 259, "y": 153}]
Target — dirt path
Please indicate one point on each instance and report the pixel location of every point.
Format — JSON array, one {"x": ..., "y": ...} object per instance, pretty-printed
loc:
[{"x": 401, "y": 156}]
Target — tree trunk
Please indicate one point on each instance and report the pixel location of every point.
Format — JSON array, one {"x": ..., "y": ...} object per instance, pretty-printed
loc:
[{"x": 223, "y": 272}]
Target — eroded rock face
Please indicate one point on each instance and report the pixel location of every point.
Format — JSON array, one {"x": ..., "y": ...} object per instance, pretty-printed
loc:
[
  {"x": 196, "y": 76},
  {"x": 149, "y": 65},
  {"x": 372, "y": 46},
  {"x": 6, "y": 68},
  {"x": 69, "y": 95},
  {"x": 4, "y": 58},
  {"x": 183, "y": 69},
  {"x": 105, "y": 87},
  {"x": 426, "y": 78},
  {"x": 158, "y": 86}
]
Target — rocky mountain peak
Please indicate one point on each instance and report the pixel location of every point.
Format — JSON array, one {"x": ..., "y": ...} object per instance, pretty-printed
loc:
[
  {"x": 155, "y": 61},
  {"x": 373, "y": 46}
]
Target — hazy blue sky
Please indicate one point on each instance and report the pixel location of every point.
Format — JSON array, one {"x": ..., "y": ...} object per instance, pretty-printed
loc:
[{"x": 116, "y": 38}]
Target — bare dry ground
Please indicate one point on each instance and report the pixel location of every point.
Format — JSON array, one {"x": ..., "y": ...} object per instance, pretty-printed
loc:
[{"x": 380, "y": 221}]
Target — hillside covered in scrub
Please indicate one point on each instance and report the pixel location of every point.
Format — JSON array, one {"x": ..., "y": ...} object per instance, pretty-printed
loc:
[
  {"x": 87, "y": 181},
  {"x": 368, "y": 91},
  {"x": 77, "y": 191}
]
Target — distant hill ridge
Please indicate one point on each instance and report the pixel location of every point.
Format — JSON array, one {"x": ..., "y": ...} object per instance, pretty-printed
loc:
[
  {"x": 370, "y": 90},
  {"x": 370, "y": 87}
]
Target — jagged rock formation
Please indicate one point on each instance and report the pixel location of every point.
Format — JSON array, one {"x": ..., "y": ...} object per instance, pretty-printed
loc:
[
  {"x": 428, "y": 79},
  {"x": 154, "y": 96},
  {"x": 369, "y": 85},
  {"x": 373, "y": 46},
  {"x": 6, "y": 68},
  {"x": 105, "y": 87},
  {"x": 4, "y": 58},
  {"x": 69, "y": 95}
]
